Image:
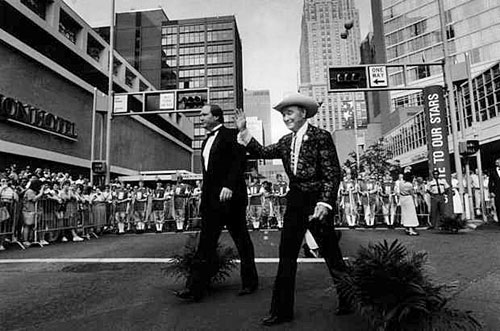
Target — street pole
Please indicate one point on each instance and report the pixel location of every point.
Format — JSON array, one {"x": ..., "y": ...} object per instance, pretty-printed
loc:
[
  {"x": 468, "y": 202},
  {"x": 110, "y": 92},
  {"x": 476, "y": 135},
  {"x": 355, "y": 130},
  {"x": 451, "y": 100},
  {"x": 348, "y": 26},
  {"x": 92, "y": 137}
]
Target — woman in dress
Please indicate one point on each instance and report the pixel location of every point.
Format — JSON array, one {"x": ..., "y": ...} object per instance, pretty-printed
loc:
[{"x": 406, "y": 200}]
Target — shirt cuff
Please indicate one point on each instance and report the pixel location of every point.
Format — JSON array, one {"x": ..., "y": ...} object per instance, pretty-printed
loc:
[
  {"x": 325, "y": 205},
  {"x": 244, "y": 137}
]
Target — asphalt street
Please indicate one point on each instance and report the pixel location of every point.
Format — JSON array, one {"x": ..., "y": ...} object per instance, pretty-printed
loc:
[{"x": 114, "y": 283}]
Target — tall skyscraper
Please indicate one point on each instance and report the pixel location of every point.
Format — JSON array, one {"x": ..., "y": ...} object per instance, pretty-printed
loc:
[
  {"x": 322, "y": 47},
  {"x": 257, "y": 103},
  {"x": 204, "y": 52}
]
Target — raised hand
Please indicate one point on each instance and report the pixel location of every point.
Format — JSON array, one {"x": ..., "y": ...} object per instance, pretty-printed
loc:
[{"x": 240, "y": 120}]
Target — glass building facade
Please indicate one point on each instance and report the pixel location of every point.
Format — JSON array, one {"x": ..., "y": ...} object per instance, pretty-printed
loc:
[
  {"x": 410, "y": 137},
  {"x": 413, "y": 35},
  {"x": 204, "y": 53},
  {"x": 321, "y": 47}
]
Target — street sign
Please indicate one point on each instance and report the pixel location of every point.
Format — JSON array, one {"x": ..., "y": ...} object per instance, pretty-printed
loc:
[
  {"x": 347, "y": 77},
  {"x": 99, "y": 167},
  {"x": 167, "y": 101},
  {"x": 120, "y": 104},
  {"x": 378, "y": 76}
]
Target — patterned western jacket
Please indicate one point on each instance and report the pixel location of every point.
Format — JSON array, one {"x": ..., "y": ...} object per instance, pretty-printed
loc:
[{"x": 318, "y": 168}]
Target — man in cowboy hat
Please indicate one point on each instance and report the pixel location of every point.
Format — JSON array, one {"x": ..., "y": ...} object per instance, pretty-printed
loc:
[{"x": 311, "y": 163}]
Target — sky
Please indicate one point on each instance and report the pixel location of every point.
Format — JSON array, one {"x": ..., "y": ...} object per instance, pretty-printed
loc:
[{"x": 269, "y": 32}]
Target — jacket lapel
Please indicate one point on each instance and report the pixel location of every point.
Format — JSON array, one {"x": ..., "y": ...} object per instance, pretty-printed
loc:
[
  {"x": 305, "y": 148},
  {"x": 287, "y": 150}
]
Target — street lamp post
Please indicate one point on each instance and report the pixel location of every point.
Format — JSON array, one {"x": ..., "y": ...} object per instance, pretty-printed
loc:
[
  {"x": 344, "y": 34},
  {"x": 451, "y": 99},
  {"x": 110, "y": 92}
]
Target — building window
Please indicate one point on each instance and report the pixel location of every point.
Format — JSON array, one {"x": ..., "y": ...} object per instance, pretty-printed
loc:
[
  {"x": 142, "y": 86},
  {"x": 39, "y": 7},
  {"x": 68, "y": 27},
  {"x": 450, "y": 32},
  {"x": 116, "y": 66},
  {"x": 94, "y": 48},
  {"x": 129, "y": 78}
]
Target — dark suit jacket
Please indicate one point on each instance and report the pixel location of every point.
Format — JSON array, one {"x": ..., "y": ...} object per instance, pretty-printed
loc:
[
  {"x": 494, "y": 183},
  {"x": 318, "y": 168},
  {"x": 225, "y": 169}
]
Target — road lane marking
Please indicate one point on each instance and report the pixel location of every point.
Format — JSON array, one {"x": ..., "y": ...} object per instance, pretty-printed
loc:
[{"x": 135, "y": 260}]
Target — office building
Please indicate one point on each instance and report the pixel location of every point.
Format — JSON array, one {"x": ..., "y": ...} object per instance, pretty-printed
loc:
[
  {"x": 204, "y": 53},
  {"x": 257, "y": 103},
  {"x": 322, "y": 47},
  {"x": 138, "y": 39},
  {"x": 52, "y": 63},
  {"x": 412, "y": 35},
  {"x": 197, "y": 53}
]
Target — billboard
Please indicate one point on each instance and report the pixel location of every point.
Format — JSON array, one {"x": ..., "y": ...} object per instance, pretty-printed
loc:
[{"x": 437, "y": 137}]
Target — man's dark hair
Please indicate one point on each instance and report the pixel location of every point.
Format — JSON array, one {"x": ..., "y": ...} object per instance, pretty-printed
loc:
[{"x": 217, "y": 112}]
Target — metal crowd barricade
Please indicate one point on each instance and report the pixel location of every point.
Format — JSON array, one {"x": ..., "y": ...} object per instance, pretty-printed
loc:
[
  {"x": 52, "y": 217},
  {"x": 9, "y": 227},
  {"x": 45, "y": 219},
  {"x": 86, "y": 218},
  {"x": 193, "y": 218}
]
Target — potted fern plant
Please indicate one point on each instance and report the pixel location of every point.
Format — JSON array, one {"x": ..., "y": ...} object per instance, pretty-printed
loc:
[
  {"x": 181, "y": 266},
  {"x": 388, "y": 285}
]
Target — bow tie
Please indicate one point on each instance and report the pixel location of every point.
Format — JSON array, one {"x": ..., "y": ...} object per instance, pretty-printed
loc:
[{"x": 211, "y": 133}]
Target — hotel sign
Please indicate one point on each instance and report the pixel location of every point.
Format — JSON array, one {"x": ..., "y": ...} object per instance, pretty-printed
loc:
[{"x": 15, "y": 111}]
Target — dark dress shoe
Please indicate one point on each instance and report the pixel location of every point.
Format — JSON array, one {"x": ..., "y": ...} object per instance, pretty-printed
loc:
[
  {"x": 343, "y": 310},
  {"x": 275, "y": 320},
  {"x": 187, "y": 295},
  {"x": 247, "y": 290}
]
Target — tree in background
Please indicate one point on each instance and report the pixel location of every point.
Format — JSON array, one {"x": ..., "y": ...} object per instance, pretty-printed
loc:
[{"x": 374, "y": 159}]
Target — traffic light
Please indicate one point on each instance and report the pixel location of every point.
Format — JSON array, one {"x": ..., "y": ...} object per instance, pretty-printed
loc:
[
  {"x": 347, "y": 77},
  {"x": 469, "y": 147},
  {"x": 191, "y": 99},
  {"x": 99, "y": 167}
]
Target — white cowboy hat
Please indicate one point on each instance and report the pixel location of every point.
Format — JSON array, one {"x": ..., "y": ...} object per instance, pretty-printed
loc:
[{"x": 297, "y": 99}]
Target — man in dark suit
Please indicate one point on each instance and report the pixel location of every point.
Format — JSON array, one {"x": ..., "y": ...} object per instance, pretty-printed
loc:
[
  {"x": 494, "y": 186},
  {"x": 311, "y": 163},
  {"x": 223, "y": 202}
]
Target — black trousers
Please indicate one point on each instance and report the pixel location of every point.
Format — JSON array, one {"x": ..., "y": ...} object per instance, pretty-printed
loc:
[
  {"x": 299, "y": 206},
  {"x": 234, "y": 217},
  {"x": 437, "y": 209}
]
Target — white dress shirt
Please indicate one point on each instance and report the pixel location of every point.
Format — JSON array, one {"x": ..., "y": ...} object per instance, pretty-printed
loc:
[
  {"x": 208, "y": 145},
  {"x": 296, "y": 144}
]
